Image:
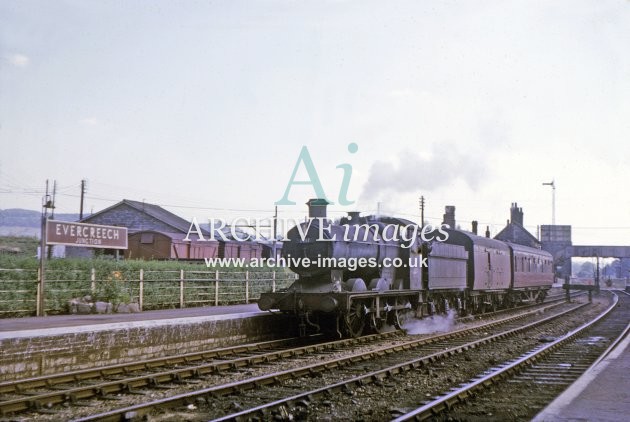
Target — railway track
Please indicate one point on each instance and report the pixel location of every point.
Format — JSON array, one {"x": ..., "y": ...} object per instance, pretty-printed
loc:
[
  {"x": 321, "y": 369},
  {"x": 42, "y": 393},
  {"x": 552, "y": 298},
  {"x": 536, "y": 378},
  {"x": 31, "y": 384}
]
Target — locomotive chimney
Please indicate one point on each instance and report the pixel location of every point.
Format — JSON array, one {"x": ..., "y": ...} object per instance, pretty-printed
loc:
[
  {"x": 449, "y": 216},
  {"x": 516, "y": 214},
  {"x": 474, "y": 226},
  {"x": 354, "y": 216},
  {"x": 317, "y": 208},
  {"x": 488, "y": 231}
]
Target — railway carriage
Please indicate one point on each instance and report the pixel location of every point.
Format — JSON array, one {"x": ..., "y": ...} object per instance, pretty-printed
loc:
[
  {"x": 532, "y": 273},
  {"x": 445, "y": 279},
  {"x": 488, "y": 271}
]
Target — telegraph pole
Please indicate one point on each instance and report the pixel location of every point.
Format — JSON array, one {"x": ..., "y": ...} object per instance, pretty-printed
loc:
[
  {"x": 52, "y": 215},
  {"x": 275, "y": 231},
  {"x": 422, "y": 211},
  {"x": 54, "y": 197},
  {"x": 46, "y": 204},
  {"x": 82, "y": 195}
]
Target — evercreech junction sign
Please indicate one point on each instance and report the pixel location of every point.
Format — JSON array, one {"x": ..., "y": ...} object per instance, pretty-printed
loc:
[{"x": 86, "y": 235}]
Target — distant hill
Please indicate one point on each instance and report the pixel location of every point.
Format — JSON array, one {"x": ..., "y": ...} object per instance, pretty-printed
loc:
[{"x": 21, "y": 222}]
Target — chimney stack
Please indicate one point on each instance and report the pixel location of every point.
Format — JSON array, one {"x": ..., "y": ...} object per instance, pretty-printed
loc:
[
  {"x": 474, "y": 226},
  {"x": 317, "y": 208},
  {"x": 488, "y": 231},
  {"x": 449, "y": 216},
  {"x": 516, "y": 214}
]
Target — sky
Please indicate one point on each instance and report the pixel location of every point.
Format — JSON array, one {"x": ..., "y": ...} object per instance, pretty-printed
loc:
[{"x": 204, "y": 107}]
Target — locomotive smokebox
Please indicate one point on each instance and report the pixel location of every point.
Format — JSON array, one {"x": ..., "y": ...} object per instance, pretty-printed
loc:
[{"x": 317, "y": 208}]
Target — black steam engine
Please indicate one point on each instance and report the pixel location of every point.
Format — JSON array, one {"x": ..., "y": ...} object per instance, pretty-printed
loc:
[{"x": 370, "y": 273}]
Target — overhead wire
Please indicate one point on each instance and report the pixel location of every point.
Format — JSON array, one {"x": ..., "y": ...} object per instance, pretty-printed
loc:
[{"x": 17, "y": 188}]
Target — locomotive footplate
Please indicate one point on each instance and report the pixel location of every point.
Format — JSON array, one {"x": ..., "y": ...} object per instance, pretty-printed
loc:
[
  {"x": 339, "y": 301},
  {"x": 346, "y": 313}
]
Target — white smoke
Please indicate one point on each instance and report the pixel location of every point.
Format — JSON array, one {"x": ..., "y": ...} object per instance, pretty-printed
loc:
[
  {"x": 432, "y": 324},
  {"x": 412, "y": 172}
]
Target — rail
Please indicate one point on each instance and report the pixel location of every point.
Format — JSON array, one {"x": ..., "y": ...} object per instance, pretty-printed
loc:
[
  {"x": 511, "y": 369},
  {"x": 326, "y": 365},
  {"x": 130, "y": 377}
]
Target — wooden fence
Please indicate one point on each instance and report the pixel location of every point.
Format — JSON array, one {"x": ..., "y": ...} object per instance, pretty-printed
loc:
[{"x": 151, "y": 289}]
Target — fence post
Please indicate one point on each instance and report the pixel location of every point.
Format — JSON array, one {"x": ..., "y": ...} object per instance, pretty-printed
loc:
[
  {"x": 93, "y": 281},
  {"x": 141, "y": 289},
  {"x": 273, "y": 281},
  {"x": 181, "y": 289},
  {"x": 39, "y": 302},
  {"x": 247, "y": 286},
  {"x": 216, "y": 288}
]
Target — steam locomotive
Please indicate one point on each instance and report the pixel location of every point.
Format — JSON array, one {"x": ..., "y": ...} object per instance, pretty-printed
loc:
[{"x": 367, "y": 274}]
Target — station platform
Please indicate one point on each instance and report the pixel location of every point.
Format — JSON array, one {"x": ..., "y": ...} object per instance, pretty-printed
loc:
[
  {"x": 602, "y": 394},
  {"x": 36, "y": 346},
  {"x": 12, "y": 327}
]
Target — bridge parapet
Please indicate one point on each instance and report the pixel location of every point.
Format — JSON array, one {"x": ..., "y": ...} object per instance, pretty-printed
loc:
[{"x": 600, "y": 251}]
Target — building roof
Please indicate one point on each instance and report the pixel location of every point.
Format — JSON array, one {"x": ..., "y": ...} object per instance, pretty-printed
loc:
[
  {"x": 155, "y": 211},
  {"x": 473, "y": 239},
  {"x": 177, "y": 236},
  {"x": 515, "y": 233}
]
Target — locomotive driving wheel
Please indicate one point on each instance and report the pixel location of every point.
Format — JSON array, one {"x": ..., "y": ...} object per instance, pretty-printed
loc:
[
  {"x": 394, "y": 319},
  {"x": 382, "y": 324},
  {"x": 354, "y": 320},
  {"x": 398, "y": 316}
]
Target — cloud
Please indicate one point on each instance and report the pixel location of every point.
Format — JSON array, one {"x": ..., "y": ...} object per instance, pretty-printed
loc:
[
  {"x": 412, "y": 172},
  {"x": 89, "y": 121},
  {"x": 18, "y": 60},
  {"x": 401, "y": 93}
]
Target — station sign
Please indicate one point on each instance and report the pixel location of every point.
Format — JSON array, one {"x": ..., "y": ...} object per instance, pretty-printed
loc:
[{"x": 85, "y": 235}]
